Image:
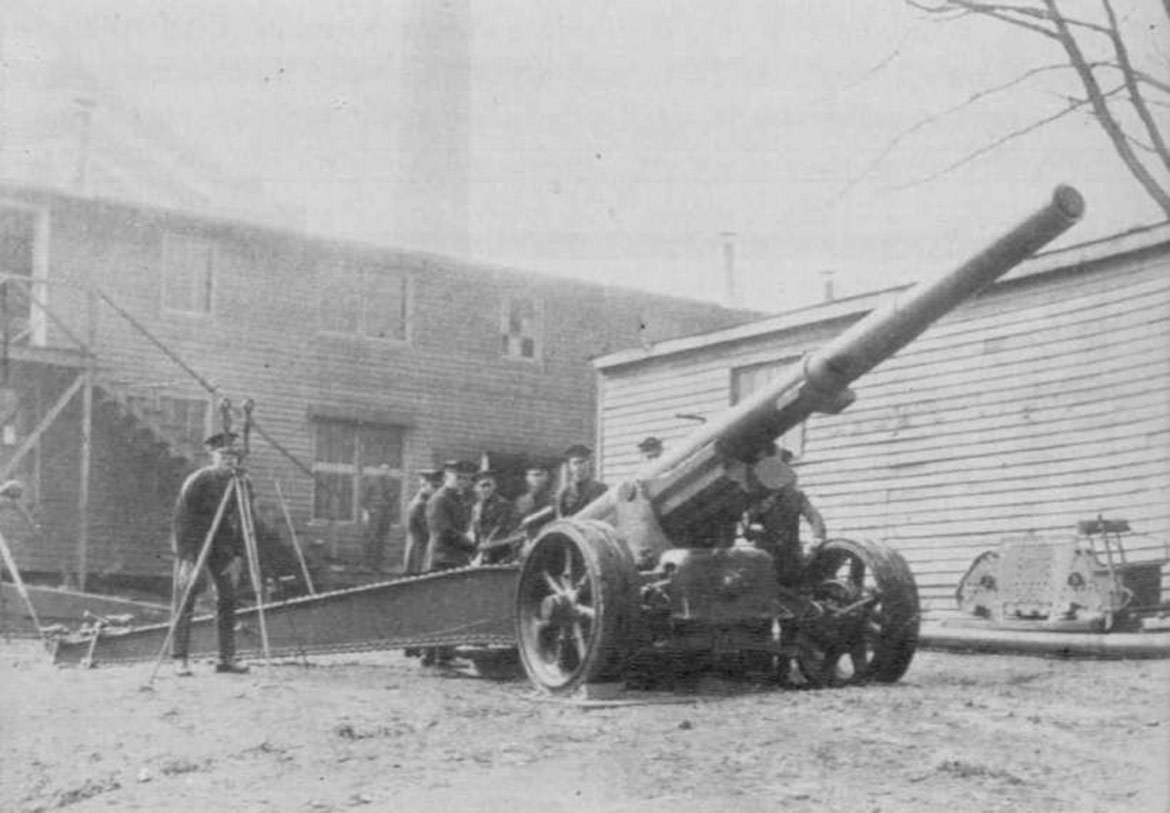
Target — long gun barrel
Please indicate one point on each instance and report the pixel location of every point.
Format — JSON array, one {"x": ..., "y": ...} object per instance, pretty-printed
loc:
[{"x": 682, "y": 480}]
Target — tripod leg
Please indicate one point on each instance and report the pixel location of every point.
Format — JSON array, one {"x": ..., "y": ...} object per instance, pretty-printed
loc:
[
  {"x": 10, "y": 563},
  {"x": 248, "y": 529},
  {"x": 190, "y": 586}
]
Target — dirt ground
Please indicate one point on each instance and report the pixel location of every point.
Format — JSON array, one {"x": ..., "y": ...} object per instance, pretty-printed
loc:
[{"x": 959, "y": 733}]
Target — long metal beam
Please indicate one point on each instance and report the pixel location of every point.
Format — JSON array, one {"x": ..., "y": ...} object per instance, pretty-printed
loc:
[{"x": 470, "y": 606}]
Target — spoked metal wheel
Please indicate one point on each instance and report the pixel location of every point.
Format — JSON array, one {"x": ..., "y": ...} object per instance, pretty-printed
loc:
[
  {"x": 573, "y": 605},
  {"x": 867, "y": 622}
]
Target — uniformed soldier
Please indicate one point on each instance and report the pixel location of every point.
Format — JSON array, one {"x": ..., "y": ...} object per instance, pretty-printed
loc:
[
  {"x": 449, "y": 518},
  {"x": 493, "y": 516},
  {"x": 773, "y": 519},
  {"x": 417, "y": 535},
  {"x": 450, "y": 543},
  {"x": 195, "y": 510},
  {"x": 581, "y": 489},
  {"x": 539, "y": 494},
  {"x": 650, "y": 448}
]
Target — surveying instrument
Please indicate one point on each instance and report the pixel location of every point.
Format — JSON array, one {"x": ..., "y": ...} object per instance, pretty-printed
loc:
[{"x": 238, "y": 489}]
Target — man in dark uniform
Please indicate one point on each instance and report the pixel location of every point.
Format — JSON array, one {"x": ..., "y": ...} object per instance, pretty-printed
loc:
[
  {"x": 773, "y": 519},
  {"x": 449, "y": 519},
  {"x": 417, "y": 535},
  {"x": 448, "y": 525},
  {"x": 650, "y": 449},
  {"x": 492, "y": 518},
  {"x": 195, "y": 510},
  {"x": 539, "y": 494},
  {"x": 581, "y": 489}
]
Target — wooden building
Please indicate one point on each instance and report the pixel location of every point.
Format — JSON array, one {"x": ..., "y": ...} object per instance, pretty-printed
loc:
[
  {"x": 123, "y": 326},
  {"x": 1042, "y": 402}
]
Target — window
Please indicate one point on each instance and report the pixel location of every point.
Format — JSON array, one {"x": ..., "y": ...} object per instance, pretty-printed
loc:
[
  {"x": 751, "y": 378},
  {"x": 18, "y": 275},
  {"x": 520, "y": 329},
  {"x": 367, "y": 300},
  {"x": 354, "y": 466},
  {"x": 184, "y": 419},
  {"x": 188, "y": 264}
]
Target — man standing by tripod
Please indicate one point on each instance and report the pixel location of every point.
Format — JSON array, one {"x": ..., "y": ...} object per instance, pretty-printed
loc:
[{"x": 202, "y": 500}]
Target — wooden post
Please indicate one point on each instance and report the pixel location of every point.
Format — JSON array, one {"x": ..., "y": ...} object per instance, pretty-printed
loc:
[
  {"x": 86, "y": 444},
  {"x": 83, "y": 489}
]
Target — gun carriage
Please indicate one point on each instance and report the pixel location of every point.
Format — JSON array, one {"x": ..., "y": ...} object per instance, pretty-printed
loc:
[{"x": 651, "y": 569}]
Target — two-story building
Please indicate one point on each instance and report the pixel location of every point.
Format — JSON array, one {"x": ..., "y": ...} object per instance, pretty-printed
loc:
[
  {"x": 124, "y": 326},
  {"x": 1035, "y": 405}
]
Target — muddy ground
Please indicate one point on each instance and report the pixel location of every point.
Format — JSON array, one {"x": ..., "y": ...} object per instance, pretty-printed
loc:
[{"x": 959, "y": 733}]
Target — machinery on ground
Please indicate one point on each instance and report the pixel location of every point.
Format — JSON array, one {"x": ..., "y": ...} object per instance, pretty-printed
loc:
[
  {"x": 651, "y": 570},
  {"x": 1087, "y": 583}
]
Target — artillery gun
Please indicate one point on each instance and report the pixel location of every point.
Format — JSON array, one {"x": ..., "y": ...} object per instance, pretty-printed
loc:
[
  {"x": 648, "y": 569},
  {"x": 651, "y": 569}
]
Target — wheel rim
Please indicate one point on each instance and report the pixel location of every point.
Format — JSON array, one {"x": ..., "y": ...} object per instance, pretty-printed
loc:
[
  {"x": 862, "y": 623},
  {"x": 558, "y": 611}
]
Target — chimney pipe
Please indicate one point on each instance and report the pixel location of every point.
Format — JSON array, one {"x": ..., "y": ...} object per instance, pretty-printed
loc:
[
  {"x": 730, "y": 293},
  {"x": 829, "y": 294}
]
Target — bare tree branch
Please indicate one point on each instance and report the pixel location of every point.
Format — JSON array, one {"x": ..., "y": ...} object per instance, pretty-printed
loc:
[
  {"x": 1072, "y": 106},
  {"x": 1104, "y": 116},
  {"x": 929, "y": 120},
  {"x": 1135, "y": 95}
]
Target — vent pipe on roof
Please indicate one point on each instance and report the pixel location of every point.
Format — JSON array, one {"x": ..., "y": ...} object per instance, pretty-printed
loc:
[
  {"x": 730, "y": 293},
  {"x": 829, "y": 294}
]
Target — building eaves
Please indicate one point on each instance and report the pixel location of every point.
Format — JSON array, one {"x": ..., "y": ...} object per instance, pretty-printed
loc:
[{"x": 1075, "y": 256}]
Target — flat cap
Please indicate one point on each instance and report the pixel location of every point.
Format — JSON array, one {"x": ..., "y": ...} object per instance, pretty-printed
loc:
[
  {"x": 460, "y": 466},
  {"x": 578, "y": 450},
  {"x": 220, "y": 440}
]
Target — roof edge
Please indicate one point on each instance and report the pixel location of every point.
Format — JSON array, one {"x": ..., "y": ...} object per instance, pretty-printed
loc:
[{"x": 1130, "y": 241}]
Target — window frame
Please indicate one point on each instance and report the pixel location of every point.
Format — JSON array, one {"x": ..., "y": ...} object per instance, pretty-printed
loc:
[
  {"x": 537, "y": 336},
  {"x": 353, "y": 277},
  {"x": 354, "y": 469},
  {"x": 794, "y": 439},
  {"x": 170, "y": 237}
]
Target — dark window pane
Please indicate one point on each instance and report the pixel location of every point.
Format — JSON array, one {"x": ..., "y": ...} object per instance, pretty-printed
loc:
[
  {"x": 382, "y": 496},
  {"x": 336, "y": 442},
  {"x": 381, "y": 444},
  {"x": 333, "y": 496}
]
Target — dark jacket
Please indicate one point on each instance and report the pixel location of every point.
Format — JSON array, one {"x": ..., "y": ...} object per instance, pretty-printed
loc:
[
  {"x": 195, "y": 510},
  {"x": 528, "y": 504},
  {"x": 575, "y": 496},
  {"x": 492, "y": 519},
  {"x": 448, "y": 521}
]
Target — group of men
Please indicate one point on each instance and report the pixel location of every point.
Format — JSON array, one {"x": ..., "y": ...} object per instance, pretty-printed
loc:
[
  {"x": 456, "y": 517},
  {"x": 458, "y": 513}
]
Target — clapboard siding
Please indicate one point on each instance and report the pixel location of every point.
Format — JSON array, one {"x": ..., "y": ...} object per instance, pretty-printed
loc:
[
  {"x": 1041, "y": 402},
  {"x": 447, "y": 383}
]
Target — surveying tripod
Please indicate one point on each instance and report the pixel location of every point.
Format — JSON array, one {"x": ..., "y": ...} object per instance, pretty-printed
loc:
[{"x": 237, "y": 490}]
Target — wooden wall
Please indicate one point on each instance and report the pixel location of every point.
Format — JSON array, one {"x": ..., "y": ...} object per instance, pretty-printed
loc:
[
  {"x": 1040, "y": 403},
  {"x": 447, "y": 383}
]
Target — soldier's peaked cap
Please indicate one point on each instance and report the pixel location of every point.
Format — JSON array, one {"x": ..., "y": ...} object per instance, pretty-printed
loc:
[
  {"x": 578, "y": 450},
  {"x": 220, "y": 440},
  {"x": 460, "y": 466},
  {"x": 487, "y": 474}
]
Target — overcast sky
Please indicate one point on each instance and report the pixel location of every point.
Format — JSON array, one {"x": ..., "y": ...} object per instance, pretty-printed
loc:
[{"x": 616, "y": 140}]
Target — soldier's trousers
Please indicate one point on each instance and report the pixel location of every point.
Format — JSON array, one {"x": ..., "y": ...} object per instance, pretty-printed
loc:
[{"x": 225, "y": 608}]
